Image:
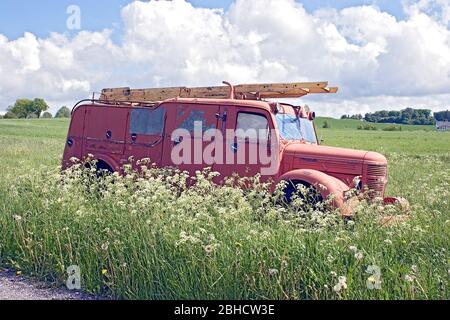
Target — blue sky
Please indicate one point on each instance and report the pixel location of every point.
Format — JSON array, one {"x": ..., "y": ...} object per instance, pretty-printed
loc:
[
  {"x": 376, "y": 60},
  {"x": 45, "y": 16}
]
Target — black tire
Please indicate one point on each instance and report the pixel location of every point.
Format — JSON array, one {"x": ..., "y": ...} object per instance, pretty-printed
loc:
[{"x": 312, "y": 198}]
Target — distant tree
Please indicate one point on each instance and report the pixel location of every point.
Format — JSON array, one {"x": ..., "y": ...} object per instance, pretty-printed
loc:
[
  {"x": 64, "y": 112},
  {"x": 47, "y": 115},
  {"x": 442, "y": 115},
  {"x": 1, "y": 116},
  {"x": 21, "y": 108},
  {"x": 24, "y": 107},
  {"x": 10, "y": 115},
  {"x": 32, "y": 116},
  {"x": 39, "y": 106}
]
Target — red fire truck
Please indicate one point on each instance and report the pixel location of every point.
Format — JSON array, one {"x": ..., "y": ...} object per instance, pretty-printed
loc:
[{"x": 176, "y": 127}]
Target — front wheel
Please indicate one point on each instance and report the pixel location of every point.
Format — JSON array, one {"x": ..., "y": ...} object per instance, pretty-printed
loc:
[{"x": 304, "y": 191}]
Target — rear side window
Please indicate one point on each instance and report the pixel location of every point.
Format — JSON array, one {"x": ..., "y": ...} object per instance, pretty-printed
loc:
[
  {"x": 147, "y": 121},
  {"x": 251, "y": 125}
]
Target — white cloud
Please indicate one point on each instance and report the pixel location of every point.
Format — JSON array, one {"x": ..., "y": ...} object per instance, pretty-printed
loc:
[{"x": 375, "y": 59}]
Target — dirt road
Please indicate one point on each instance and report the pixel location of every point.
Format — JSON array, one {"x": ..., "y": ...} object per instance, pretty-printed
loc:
[{"x": 13, "y": 287}]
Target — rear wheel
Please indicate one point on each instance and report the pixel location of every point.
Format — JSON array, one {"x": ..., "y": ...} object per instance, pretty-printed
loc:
[
  {"x": 103, "y": 169},
  {"x": 96, "y": 182}
]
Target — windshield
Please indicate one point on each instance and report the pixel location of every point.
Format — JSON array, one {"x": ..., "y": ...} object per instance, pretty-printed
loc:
[{"x": 293, "y": 128}]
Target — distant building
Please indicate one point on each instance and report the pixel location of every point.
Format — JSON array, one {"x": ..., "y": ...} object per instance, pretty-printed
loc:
[{"x": 443, "y": 125}]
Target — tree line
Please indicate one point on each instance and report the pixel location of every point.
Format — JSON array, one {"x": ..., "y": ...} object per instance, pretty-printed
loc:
[
  {"x": 33, "y": 109},
  {"x": 442, "y": 115},
  {"x": 405, "y": 116}
]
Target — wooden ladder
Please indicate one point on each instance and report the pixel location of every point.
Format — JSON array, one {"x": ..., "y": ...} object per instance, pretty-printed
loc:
[{"x": 242, "y": 91}]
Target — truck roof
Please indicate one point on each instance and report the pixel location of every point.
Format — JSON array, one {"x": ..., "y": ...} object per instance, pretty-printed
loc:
[
  {"x": 260, "y": 104},
  {"x": 257, "y": 104}
]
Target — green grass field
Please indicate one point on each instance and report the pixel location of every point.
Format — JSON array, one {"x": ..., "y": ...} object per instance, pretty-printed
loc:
[{"x": 152, "y": 239}]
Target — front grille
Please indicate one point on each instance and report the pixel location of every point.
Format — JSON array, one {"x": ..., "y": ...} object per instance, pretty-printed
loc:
[
  {"x": 376, "y": 170},
  {"x": 376, "y": 179},
  {"x": 376, "y": 186}
]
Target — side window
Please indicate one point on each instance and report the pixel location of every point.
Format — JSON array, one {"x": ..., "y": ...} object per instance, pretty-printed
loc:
[
  {"x": 147, "y": 121},
  {"x": 189, "y": 118},
  {"x": 252, "y": 126}
]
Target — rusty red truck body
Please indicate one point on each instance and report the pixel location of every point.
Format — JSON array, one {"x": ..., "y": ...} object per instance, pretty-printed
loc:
[{"x": 114, "y": 131}]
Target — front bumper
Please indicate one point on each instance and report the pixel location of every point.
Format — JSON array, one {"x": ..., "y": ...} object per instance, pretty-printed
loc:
[{"x": 349, "y": 206}]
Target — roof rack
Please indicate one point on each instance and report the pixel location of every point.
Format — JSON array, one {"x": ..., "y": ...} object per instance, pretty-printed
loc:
[{"x": 242, "y": 91}]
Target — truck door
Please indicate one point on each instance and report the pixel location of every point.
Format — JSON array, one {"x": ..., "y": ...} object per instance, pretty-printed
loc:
[
  {"x": 144, "y": 137},
  {"x": 247, "y": 146},
  {"x": 104, "y": 131},
  {"x": 190, "y": 132}
]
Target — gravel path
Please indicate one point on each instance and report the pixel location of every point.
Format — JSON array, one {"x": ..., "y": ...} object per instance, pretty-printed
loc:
[{"x": 13, "y": 287}]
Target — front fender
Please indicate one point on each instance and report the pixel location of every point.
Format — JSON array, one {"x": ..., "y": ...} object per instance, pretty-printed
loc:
[{"x": 333, "y": 186}]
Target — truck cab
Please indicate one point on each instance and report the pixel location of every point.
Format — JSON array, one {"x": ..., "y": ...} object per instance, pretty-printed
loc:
[{"x": 230, "y": 135}]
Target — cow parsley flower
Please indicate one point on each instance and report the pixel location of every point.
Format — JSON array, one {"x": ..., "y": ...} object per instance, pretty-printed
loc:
[
  {"x": 105, "y": 246},
  {"x": 341, "y": 285},
  {"x": 409, "y": 278},
  {"x": 273, "y": 272},
  {"x": 353, "y": 249},
  {"x": 359, "y": 256},
  {"x": 209, "y": 249}
]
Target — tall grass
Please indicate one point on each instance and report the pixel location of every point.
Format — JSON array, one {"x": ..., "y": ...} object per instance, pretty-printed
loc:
[
  {"x": 147, "y": 236},
  {"x": 152, "y": 238}
]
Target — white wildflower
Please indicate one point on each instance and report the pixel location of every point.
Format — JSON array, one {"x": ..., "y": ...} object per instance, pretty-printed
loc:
[
  {"x": 273, "y": 272},
  {"x": 359, "y": 256},
  {"x": 388, "y": 241},
  {"x": 353, "y": 249},
  {"x": 105, "y": 246},
  {"x": 209, "y": 249},
  {"x": 409, "y": 278},
  {"x": 341, "y": 285}
]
